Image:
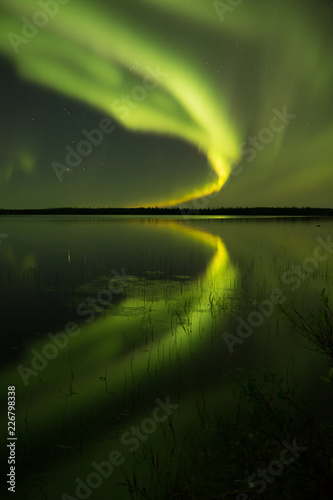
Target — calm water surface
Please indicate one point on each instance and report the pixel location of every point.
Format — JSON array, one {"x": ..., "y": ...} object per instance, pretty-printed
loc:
[{"x": 104, "y": 318}]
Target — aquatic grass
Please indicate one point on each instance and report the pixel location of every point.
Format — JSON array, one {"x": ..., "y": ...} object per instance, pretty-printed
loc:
[
  {"x": 316, "y": 328},
  {"x": 228, "y": 450},
  {"x": 213, "y": 463}
]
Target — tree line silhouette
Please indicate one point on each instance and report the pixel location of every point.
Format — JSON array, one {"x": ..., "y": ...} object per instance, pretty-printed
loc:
[{"x": 175, "y": 211}]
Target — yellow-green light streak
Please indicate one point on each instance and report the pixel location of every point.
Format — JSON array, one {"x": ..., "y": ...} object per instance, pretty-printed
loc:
[
  {"x": 87, "y": 54},
  {"x": 180, "y": 69},
  {"x": 116, "y": 340}
]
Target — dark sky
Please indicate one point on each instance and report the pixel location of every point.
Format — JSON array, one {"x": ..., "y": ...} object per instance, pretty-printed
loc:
[{"x": 182, "y": 92}]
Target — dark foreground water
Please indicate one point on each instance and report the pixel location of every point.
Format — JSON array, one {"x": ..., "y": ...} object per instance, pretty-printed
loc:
[{"x": 119, "y": 335}]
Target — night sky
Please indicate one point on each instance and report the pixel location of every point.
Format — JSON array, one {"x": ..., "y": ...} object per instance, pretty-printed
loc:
[{"x": 157, "y": 102}]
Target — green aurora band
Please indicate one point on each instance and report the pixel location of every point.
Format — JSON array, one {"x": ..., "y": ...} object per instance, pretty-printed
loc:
[{"x": 271, "y": 56}]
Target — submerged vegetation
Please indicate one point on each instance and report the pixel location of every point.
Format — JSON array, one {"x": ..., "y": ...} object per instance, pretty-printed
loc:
[
  {"x": 230, "y": 451},
  {"x": 156, "y": 330},
  {"x": 316, "y": 328},
  {"x": 229, "y": 455}
]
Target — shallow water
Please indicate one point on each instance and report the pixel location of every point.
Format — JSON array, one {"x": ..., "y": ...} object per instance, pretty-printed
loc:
[{"x": 105, "y": 317}]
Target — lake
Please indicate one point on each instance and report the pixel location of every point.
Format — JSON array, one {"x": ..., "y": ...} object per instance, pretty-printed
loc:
[{"x": 123, "y": 335}]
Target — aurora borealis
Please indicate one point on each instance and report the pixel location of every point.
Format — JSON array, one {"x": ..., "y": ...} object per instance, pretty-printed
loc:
[{"x": 193, "y": 90}]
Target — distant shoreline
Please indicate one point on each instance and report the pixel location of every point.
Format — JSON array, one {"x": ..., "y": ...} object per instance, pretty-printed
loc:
[{"x": 254, "y": 211}]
